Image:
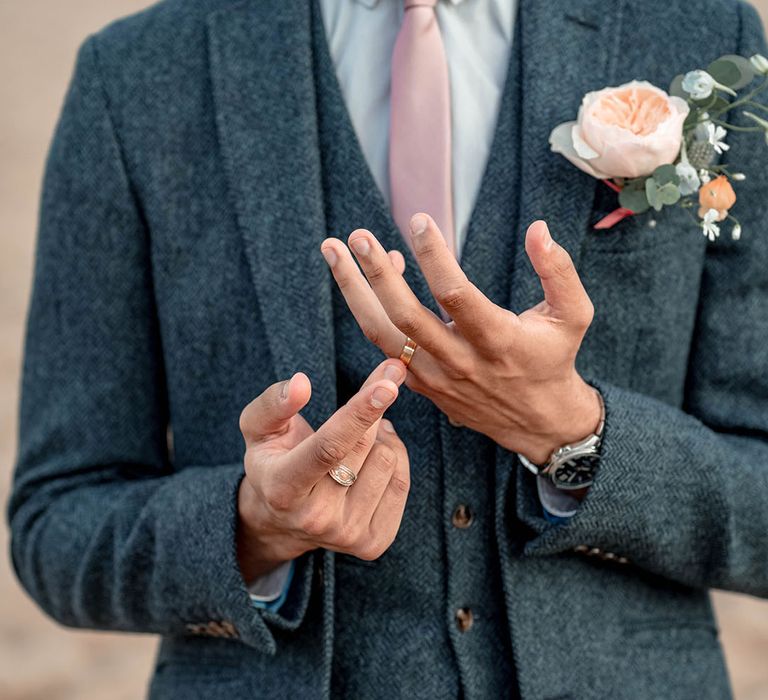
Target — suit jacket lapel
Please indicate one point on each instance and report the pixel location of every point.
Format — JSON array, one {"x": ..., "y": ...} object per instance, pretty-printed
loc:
[
  {"x": 261, "y": 66},
  {"x": 567, "y": 50},
  {"x": 262, "y": 73}
]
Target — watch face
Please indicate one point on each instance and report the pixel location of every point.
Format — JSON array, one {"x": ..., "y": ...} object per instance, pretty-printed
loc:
[{"x": 576, "y": 473}]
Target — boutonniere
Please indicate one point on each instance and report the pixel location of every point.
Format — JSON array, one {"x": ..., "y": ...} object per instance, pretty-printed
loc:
[{"x": 657, "y": 148}]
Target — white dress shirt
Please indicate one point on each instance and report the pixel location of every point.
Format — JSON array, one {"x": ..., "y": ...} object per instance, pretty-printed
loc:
[{"x": 477, "y": 35}]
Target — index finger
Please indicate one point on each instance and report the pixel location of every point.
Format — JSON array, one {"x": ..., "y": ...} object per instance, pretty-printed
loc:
[
  {"x": 398, "y": 300},
  {"x": 311, "y": 459}
]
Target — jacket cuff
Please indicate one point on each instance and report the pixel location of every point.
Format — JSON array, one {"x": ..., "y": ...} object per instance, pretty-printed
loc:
[
  {"x": 221, "y": 595},
  {"x": 620, "y": 509}
]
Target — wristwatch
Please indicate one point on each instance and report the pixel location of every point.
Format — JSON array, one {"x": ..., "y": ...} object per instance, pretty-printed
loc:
[{"x": 573, "y": 466}]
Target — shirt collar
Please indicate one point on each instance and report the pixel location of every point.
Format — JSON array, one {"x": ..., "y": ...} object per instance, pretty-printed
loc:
[{"x": 372, "y": 3}]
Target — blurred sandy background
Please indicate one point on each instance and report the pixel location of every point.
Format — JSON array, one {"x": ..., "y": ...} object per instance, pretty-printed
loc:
[{"x": 38, "y": 659}]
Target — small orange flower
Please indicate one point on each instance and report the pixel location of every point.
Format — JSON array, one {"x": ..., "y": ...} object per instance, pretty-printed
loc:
[{"x": 717, "y": 194}]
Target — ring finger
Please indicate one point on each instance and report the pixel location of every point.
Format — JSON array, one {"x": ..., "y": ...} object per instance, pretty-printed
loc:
[
  {"x": 363, "y": 500},
  {"x": 328, "y": 488},
  {"x": 355, "y": 458}
]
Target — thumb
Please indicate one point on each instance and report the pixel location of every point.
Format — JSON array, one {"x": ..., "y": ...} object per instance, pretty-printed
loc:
[
  {"x": 563, "y": 290},
  {"x": 271, "y": 412}
]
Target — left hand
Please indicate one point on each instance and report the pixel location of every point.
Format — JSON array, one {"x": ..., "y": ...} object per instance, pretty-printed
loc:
[{"x": 512, "y": 378}]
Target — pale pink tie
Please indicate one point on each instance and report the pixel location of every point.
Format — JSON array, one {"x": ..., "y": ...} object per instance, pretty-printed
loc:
[{"x": 420, "y": 123}]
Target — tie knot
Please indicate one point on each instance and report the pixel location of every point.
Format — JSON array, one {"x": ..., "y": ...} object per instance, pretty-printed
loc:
[{"x": 419, "y": 3}]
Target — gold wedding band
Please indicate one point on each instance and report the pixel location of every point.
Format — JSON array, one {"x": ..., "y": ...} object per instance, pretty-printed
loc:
[
  {"x": 406, "y": 355},
  {"x": 343, "y": 475}
]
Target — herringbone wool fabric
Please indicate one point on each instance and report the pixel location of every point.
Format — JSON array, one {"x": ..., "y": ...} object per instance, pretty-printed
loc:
[{"x": 201, "y": 157}]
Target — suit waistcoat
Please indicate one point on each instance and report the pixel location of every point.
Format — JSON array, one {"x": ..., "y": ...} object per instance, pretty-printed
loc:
[{"x": 395, "y": 617}]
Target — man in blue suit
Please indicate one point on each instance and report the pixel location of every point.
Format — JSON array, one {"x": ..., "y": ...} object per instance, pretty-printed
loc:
[{"x": 208, "y": 156}]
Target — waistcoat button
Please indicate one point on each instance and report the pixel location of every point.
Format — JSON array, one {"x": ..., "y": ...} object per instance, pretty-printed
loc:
[
  {"x": 464, "y": 619},
  {"x": 462, "y": 517}
]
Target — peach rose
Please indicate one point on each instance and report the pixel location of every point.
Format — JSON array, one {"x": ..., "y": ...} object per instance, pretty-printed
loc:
[
  {"x": 716, "y": 194},
  {"x": 625, "y": 131}
]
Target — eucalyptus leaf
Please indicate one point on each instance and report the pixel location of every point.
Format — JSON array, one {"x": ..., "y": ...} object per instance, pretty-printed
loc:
[
  {"x": 665, "y": 174},
  {"x": 714, "y": 103},
  {"x": 692, "y": 119},
  {"x": 669, "y": 193},
  {"x": 731, "y": 70},
  {"x": 652, "y": 194},
  {"x": 676, "y": 87},
  {"x": 658, "y": 195},
  {"x": 720, "y": 104},
  {"x": 633, "y": 199}
]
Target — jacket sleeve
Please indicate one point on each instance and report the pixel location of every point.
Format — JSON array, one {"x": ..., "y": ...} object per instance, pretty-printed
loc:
[
  {"x": 105, "y": 533},
  {"x": 683, "y": 493}
]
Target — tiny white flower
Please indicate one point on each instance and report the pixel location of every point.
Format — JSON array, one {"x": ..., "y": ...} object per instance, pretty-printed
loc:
[
  {"x": 739, "y": 177},
  {"x": 710, "y": 229},
  {"x": 704, "y": 176},
  {"x": 715, "y": 135},
  {"x": 698, "y": 84},
  {"x": 689, "y": 178},
  {"x": 736, "y": 232},
  {"x": 760, "y": 64}
]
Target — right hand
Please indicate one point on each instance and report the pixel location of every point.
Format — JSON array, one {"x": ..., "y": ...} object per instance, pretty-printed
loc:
[{"x": 288, "y": 503}]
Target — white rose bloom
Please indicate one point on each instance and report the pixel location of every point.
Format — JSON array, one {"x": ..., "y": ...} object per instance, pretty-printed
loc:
[{"x": 698, "y": 84}]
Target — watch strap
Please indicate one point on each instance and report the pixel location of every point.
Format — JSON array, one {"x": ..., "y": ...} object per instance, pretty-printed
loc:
[{"x": 561, "y": 454}]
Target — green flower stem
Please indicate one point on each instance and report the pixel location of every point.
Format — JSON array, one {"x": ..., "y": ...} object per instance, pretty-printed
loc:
[
  {"x": 757, "y": 105},
  {"x": 695, "y": 219},
  {"x": 705, "y": 107},
  {"x": 747, "y": 98},
  {"x": 733, "y": 127},
  {"x": 733, "y": 220},
  {"x": 715, "y": 169}
]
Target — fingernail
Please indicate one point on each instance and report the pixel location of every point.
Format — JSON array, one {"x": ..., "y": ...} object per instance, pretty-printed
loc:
[
  {"x": 548, "y": 242},
  {"x": 387, "y": 425},
  {"x": 361, "y": 246},
  {"x": 418, "y": 224},
  {"x": 393, "y": 373},
  {"x": 381, "y": 397},
  {"x": 330, "y": 256},
  {"x": 285, "y": 389}
]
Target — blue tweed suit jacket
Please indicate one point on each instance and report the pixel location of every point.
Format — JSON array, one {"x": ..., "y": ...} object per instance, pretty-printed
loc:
[{"x": 178, "y": 275}]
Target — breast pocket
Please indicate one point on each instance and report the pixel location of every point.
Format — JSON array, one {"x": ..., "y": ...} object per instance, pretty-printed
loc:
[{"x": 644, "y": 282}]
